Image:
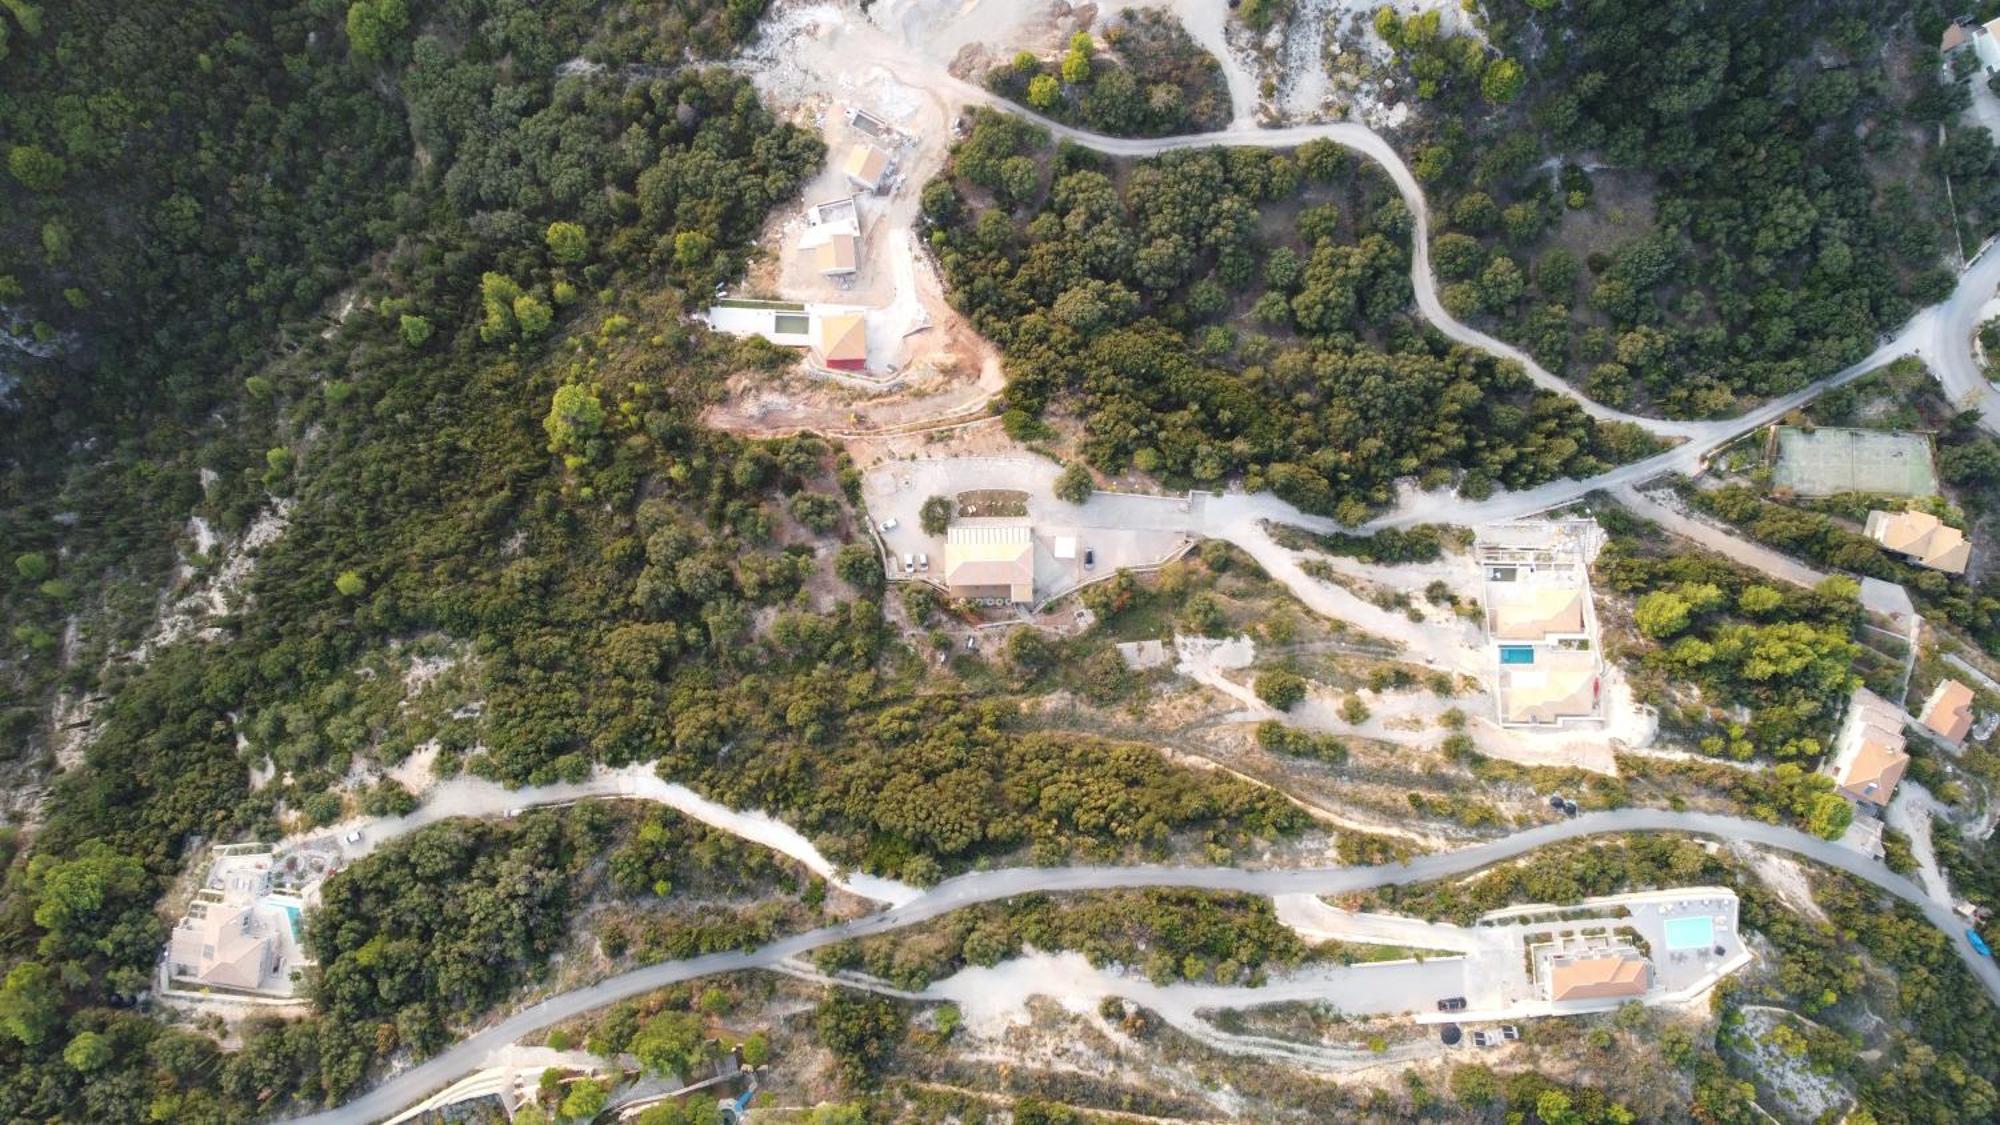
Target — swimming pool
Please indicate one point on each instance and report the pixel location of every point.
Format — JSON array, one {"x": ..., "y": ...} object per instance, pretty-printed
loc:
[
  {"x": 293, "y": 913},
  {"x": 1690, "y": 933},
  {"x": 1517, "y": 654}
]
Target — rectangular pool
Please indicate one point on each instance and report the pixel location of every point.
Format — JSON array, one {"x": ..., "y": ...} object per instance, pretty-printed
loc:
[
  {"x": 1517, "y": 654},
  {"x": 1690, "y": 933}
]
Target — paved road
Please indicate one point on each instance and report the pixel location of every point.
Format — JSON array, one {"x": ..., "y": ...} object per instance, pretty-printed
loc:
[
  {"x": 1941, "y": 335},
  {"x": 988, "y": 886}
]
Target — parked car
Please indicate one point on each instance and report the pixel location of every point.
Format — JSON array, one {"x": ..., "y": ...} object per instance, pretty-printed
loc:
[
  {"x": 353, "y": 837},
  {"x": 1484, "y": 1039},
  {"x": 1510, "y": 1032},
  {"x": 1979, "y": 945},
  {"x": 1556, "y": 802},
  {"x": 1089, "y": 557},
  {"x": 909, "y": 563},
  {"x": 923, "y": 561},
  {"x": 1452, "y": 1004},
  {"x": 1569, "y": 808},
  {"x": 888, "y": 525},
  {"x": 512, "y": 813}
]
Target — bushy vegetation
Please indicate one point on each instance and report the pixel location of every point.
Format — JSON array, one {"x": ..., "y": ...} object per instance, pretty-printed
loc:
[
  {"x": 500, "y": 449},
  {"x": 1170, "y": 934},
  {"x": 1153, "y": 80},
  {"x": 1785, "y": 654},
  {"x": 1202, "y": 330},
  {"x": 1766, "y": 210}
]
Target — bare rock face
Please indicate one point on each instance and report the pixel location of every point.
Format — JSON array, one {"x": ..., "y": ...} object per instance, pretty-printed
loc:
[
  {"x": 1084, "y": 15},
  {"x": 972, "y": 62}
]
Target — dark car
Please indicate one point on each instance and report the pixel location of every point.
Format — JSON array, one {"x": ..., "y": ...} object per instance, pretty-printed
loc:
[
  {"x": 1089, "y": 557},
  {"x": 1556, "y": 802},
  {"x": 1452, "y": 1004},
  {"x": 1569, "y": 808}
]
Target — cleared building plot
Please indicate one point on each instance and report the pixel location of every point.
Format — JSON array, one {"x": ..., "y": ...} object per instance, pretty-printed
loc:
[
  {"x": 1541, "y": 621},
  {"x": 1823, "y": 462}
]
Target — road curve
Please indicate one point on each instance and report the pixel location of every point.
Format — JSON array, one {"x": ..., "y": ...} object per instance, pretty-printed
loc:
[
  {"x": 1940, "y": 334},
  {"x": 988, "y": 886}
]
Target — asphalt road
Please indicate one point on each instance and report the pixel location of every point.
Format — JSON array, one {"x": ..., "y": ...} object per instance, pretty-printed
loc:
[
  {"x": 1940, "y": 334},
  {"x": 987, "y": 886}
]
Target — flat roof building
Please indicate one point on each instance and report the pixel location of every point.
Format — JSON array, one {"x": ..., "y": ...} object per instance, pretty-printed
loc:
[
  {"x": 1925, "y": 539},
  {"x": 990, "y": 560},
  {"x": 1868, "y": 758},
  {"x": 1612, "y": 975},
  {"x": 1948, "y": 712}
]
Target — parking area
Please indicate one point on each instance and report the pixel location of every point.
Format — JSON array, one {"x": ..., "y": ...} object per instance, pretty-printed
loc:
[{"x": 1073, "y": 543}]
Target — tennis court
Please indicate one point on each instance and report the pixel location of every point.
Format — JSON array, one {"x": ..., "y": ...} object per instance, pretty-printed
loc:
[{"x": 1822, "y": 462}]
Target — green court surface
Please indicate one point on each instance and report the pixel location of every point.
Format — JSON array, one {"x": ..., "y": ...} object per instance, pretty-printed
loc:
[{"x": 1823, "y": 461}]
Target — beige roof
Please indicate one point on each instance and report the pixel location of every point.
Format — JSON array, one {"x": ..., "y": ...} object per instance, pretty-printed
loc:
[
  {"x": 1948, "y": 713},
  {"x": 990, "y": 560},
  {"x": 1923, "y": 537},
  {"x": 1529, "y": 612},
  {"x": 865, "y": 164},
  {"x": 843, "y": 336},
  {"x": 221, "y": 947},
  {"x": 837, "y": 254},
  {"x": 1600, "y": 978},
  {"x": 1955, "y": 36},
  {"x": 1560, "y": 684}
]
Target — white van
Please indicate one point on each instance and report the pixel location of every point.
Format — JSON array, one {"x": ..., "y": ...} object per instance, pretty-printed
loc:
[{"x": 909, "y": 563}]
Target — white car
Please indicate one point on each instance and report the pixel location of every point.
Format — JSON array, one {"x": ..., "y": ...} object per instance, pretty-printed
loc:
[
  {"x": 353, "y": 837},
  {"x": 888, "y": 525},
  {"x": 909, "y": 563},
  {"x": 923, "y": 561}
]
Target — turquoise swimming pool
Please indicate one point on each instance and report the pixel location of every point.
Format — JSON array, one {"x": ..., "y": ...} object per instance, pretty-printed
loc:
[
  {"x": 1517, "y": 654},
  {"x": 1690, "y": 933},
  {"x": 293, "y": 913}
]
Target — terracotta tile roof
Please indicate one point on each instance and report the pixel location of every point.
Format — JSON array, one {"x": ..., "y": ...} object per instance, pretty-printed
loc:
[
  {"x": 1955, "y": 36},
  {"x": 1923, "y": 537},
  {"x": 1600, "y": 978},
  {"x": 1868, "y": 758},
  {"x": 1948, "y": 712},
  {"x": 865, "y": 164},
  {"x": 837, "y": 254},
  {"x": 843, "y": 336}
]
